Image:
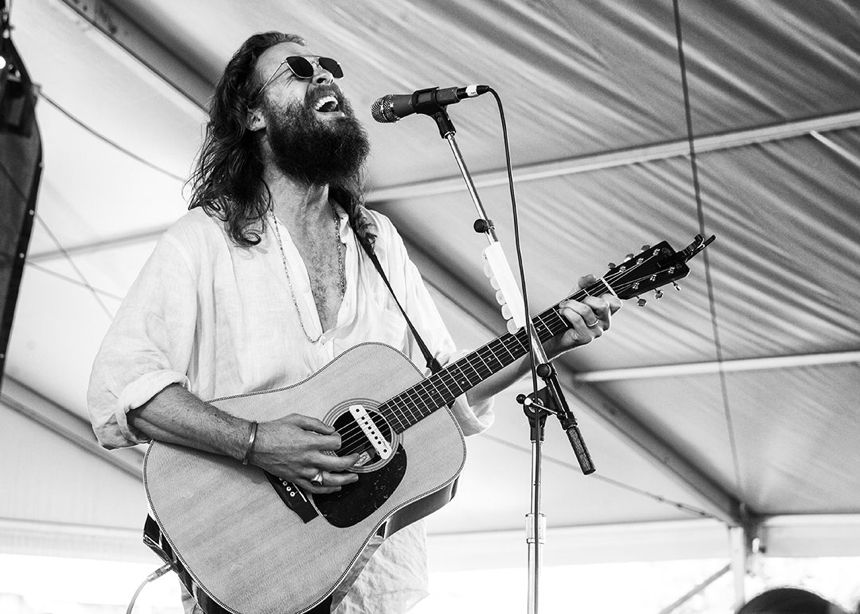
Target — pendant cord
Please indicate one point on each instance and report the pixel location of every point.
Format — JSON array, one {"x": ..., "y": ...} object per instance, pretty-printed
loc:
[{"x": 340, "y": 268}]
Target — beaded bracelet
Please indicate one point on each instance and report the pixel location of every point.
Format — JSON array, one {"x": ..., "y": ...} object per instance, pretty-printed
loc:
[{"x": 251, "y": 440}]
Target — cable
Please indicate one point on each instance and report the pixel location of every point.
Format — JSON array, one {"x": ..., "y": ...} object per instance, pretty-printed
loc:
[
  {"x": 66, "y": 255},
  {"x": 71, "y": 262},
  {"x": 516, "y": 225},
  {"x": 113, "y": 144},
  {"x": 153, "y": 576},
  {"x": 72, "y": 280},
  {"x": 708, "y": 281}
]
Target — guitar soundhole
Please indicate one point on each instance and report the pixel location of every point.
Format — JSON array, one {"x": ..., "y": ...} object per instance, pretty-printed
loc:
[{"x": 379, "y": 475}]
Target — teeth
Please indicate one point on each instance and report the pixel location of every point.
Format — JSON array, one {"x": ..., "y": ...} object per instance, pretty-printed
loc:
[{"x": 324, "y": 101}]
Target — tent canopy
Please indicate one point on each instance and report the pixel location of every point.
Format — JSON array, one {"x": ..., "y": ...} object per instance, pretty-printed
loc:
[{"x": 729, "y": 403}]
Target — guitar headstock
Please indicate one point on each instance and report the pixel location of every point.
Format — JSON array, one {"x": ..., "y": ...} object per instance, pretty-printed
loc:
[{"x": 654, "y": 267}]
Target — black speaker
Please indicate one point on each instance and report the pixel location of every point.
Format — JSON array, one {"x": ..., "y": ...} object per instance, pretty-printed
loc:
[{"x": 20, "y": 172}]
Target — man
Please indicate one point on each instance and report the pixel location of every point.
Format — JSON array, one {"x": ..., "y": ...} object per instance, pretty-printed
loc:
[{"x": 265, "y": 281}]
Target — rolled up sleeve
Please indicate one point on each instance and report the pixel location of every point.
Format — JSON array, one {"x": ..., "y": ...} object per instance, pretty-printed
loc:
[{"x": 148, "y": 345}]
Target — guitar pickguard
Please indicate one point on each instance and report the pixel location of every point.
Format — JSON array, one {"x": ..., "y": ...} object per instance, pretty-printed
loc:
[{"x": 356, "y": 501}]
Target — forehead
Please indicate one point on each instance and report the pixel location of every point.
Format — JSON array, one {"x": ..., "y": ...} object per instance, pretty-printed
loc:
[{"x": 274, "y": 55}]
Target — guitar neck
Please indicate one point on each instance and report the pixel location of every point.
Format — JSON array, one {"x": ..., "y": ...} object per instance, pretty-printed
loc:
[{"x": 441, "y": 388}]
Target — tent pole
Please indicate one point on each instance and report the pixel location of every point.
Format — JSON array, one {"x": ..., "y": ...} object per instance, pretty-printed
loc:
[{"x": 738, "y": 542}]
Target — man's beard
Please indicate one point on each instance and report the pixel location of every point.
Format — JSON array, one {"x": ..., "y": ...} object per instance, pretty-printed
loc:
[{"x": 313, "y": 151}]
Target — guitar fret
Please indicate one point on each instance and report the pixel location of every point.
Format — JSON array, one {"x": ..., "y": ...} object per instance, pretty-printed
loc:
[
  {"x": 478, "y": 354},
  {"x": 437, "y": 395},
  {"x": 451, "y": 392},
  {"x": 465, "y": 363},
  {"x": 462, "y": 379},
  {"x": 418, "y": 397},
  {"x": 480, "y": 368},
  {"x": 504, "y": 346},
  {"x": 391, "y": 415},
  {"x": 495, "y": 358},
  {"x": 414, "y": 400},
  {"x": 431, "y": 393},
  {"x": 477, "y": 374}
]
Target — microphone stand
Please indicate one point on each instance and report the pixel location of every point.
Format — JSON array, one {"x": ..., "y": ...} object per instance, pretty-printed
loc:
[{"x": 537, "y": 405}]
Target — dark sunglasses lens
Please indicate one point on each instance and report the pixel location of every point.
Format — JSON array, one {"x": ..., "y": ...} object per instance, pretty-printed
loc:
[
  {"x": 332, "y": 66},
  {"x": 300, "y": 67}
]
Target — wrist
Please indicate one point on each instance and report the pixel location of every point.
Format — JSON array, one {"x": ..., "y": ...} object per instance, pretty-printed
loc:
[{"x": 553, "y": 348}]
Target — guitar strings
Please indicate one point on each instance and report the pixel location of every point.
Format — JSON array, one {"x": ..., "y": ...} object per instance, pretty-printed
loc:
[{"x": 352, "y": 436}]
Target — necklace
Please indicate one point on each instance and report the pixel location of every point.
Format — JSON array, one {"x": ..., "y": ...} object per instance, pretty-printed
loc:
[{"x": 340, "y": 269}]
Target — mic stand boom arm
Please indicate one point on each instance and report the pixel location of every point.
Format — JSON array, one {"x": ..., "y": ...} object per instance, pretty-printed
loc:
[{"x": 551, "y": 395}]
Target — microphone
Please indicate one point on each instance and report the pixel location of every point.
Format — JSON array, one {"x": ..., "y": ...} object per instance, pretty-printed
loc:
[{"x": 393, "y": 107}]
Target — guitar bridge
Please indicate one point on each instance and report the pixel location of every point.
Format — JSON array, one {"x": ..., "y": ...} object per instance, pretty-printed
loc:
[{"x": 293, "y": 497}]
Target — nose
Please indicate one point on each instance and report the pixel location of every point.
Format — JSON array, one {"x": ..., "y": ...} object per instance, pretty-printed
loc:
[{"x": 321, "y": 75}]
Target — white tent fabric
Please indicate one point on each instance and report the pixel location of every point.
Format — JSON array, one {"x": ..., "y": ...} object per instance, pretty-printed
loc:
[{"x": 731, "y": 403}]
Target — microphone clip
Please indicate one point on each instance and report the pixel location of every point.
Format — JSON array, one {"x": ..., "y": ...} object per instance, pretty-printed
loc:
[{"x": 431, "y": 100}]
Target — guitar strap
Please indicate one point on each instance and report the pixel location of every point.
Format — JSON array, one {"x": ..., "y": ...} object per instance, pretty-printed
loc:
[{"x": 432, "y": 363}]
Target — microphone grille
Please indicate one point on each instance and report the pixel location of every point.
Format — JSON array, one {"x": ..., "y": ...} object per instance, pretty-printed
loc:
[{"x": 382, "y": 110}]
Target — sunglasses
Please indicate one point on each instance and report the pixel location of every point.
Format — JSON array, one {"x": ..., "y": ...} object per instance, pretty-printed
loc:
[{"x": 303, "y": 68}]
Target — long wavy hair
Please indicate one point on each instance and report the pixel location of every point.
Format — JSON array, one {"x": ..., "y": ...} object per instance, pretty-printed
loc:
[{"x": 227, "y": 180}]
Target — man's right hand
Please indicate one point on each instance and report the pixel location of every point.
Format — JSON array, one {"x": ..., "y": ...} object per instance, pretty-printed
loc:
[
  {"x": 294, "y": 447},
  {"x": 297, "y": 448}
]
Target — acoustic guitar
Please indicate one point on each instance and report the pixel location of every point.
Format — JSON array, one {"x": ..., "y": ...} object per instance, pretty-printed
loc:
[{"x": 245, "y": 542}]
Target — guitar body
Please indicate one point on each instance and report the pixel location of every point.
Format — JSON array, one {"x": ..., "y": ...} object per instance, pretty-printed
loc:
[{"x": 236, "y": 539}]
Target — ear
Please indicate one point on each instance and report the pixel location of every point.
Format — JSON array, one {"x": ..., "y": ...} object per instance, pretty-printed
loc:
[{"x": 254, "y": 120}]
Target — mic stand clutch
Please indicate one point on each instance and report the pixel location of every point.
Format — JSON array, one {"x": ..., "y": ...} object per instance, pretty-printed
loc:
[{"x": 549, "y": 399}]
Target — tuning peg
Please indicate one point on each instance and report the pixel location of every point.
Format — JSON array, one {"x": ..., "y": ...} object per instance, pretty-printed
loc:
[
  {"x": 641, "y": 301},
  {"x": 629, "y": 256},
  {"x": 645, "y": 248},
  {"x": 611, "y": 265},
  {"x": 658, "y": 294},
  {"x": 677, "y": 287}
]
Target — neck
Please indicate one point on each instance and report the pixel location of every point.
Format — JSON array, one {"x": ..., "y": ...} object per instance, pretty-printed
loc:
[{"x": 298, "y": 205}]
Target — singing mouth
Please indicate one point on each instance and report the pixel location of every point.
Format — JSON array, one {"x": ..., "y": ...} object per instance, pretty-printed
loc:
[{"x": 327, "y": 104}]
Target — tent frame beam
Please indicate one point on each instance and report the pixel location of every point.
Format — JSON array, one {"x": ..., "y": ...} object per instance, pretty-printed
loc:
[
  {"x": 713, "y": 367},
  {"x": 145, "y": 54},
  {"x": 535, "y": 172},
  {"x": 68, "y": 425},
  {"x": 812, "y": 126}
]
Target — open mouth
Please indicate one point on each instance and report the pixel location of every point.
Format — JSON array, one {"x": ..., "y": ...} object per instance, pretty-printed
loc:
[{"x": 327, "y": 104}]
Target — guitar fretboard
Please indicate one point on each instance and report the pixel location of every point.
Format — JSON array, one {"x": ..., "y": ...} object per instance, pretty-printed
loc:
[{"x": 441, "y": 388}]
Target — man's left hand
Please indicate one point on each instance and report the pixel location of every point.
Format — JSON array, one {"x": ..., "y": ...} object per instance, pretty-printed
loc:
[{"x": 588, "y": 318}]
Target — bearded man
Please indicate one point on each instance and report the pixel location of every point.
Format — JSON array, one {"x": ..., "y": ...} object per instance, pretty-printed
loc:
[{"x": 264, "y": 282}]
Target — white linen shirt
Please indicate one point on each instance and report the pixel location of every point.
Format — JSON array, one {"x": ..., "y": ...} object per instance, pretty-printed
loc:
[{"x": 220, "y": 320}]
